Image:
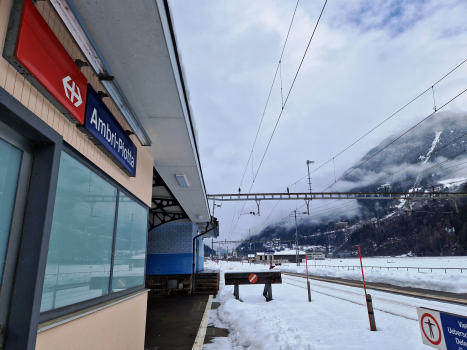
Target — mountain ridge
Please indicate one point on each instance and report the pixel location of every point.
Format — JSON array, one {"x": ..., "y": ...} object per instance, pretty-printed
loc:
[{"x": 424, "y": 159}]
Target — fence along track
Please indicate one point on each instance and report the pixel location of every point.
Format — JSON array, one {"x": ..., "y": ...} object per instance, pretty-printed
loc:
[{"x": 393, "y": 267}]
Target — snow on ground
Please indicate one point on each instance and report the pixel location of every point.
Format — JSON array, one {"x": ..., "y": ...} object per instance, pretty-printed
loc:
[
  {"x": 382, "y": 270},
  {"x": 335, "y": 319}
]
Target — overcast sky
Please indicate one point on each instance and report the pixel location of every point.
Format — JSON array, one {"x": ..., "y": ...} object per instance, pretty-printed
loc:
[{"x": 367, "y": 59}]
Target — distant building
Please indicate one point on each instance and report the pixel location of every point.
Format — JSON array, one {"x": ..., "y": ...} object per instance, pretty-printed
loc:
[
  {"x": 288, "y": 256},
  {"x": 264, "y": 257},
  {"x": 316, "y": 256},
  {"x": 251, "y": 258},
  {"x": 339, "y": 225},
  {"x": 342, "y": 254}
]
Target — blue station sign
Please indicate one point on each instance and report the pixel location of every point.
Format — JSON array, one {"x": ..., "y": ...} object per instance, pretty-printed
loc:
[
  {"x": 442, "y": 330},
  {"x": 105, "y": 132}
]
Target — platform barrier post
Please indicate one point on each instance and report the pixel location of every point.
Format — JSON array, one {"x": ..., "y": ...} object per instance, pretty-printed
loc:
[
  {"x": 371, "y": 314},
  {"x": 368, "y": 304}
]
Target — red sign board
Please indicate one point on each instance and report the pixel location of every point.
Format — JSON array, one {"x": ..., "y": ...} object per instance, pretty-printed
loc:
[
  {"x": 40, "y": 52},
  {"x": 253, "y": 278}
]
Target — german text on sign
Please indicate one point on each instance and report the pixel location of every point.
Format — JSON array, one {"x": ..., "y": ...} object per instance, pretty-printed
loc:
[{"x": 105, "y": 131}]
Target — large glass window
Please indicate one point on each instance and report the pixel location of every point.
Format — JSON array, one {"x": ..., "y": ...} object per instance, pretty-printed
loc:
[
  {"x": 10, "y": 164},
  {"x": 130, "y": 245},
  {"x": 85, "y": 224},
  {"x": 80, "y": 248}
]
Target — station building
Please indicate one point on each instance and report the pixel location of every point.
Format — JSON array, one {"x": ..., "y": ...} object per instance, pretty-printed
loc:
[
  {"x": 289, "y": 255},
  {"x": 279, "y": 257},
  {"x": 316, "y": 256},
  {"x": 97, "y": 147}
]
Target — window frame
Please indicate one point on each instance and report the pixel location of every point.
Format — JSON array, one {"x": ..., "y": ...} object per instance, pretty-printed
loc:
[
  {"x": 12, "y": 137},
  {"x": 68, "y": 309}
]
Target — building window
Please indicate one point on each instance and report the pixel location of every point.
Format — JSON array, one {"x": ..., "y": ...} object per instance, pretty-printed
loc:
[
  {"x": 10, "y": 165},
  {"x": 85, "y": 222},
  {"x": 130, "y": 244}
]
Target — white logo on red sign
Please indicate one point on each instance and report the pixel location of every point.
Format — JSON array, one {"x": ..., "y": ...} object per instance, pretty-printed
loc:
[
  {"x": 72, "y": 91},
  {"x": 252, "y": 278}
]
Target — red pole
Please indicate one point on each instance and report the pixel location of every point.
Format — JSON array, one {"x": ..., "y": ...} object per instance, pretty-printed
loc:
[
  {"x": 364, "y": 286},
  {"x": 306, "y": 259}
]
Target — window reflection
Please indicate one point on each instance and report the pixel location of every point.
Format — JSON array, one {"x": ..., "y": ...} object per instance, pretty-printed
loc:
[
  {"x": 80, "y": 248},
  {"x": 10, "y": 164},
  {"x": 130, "y": 246}
]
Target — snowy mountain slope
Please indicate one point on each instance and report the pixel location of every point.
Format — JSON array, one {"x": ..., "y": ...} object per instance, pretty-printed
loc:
[
  {"x": 433, "y": 156},
  {"x": 441, "y": 138}
]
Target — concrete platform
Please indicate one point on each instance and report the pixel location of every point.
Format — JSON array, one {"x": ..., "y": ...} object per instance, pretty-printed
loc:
[
  {"x": 208, "y": 271},
  {"x": 213, "y": 332},
  {"x": 172, "y": 322}
]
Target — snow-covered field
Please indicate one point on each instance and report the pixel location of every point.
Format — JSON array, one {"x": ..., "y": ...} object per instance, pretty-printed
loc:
[
  {"x": 384, "y": 271},
  {"x": 335, "y": 319}
]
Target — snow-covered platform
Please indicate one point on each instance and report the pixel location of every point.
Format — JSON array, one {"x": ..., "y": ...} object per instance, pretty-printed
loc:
[{"x": 336, "y": 318}]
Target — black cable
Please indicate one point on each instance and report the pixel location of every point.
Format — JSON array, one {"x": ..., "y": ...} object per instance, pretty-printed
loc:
[
  {"x": 397, "y": 138},
  {"x": 270, "y": 90},
  {"x": 265, "y": 107},
  {"x": 286, "y": 99},
  {"x": 408, "y": 165},
  {"x": 452, "y": 166},
  {"x": 431, "y": 87},
  {"x": 384, "y": 121},
  {"x": 288, "y": 94}
]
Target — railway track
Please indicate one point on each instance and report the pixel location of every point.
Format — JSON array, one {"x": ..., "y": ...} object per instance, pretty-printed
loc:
[{"x": 407, "y": 291}]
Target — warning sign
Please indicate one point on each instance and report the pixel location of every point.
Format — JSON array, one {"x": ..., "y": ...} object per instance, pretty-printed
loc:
[
  {"x": 253, "y": 278},
  {"x": 431, "y": 329},
  {"x": 442, "y": 330},
  {"x": 121, "y": 283}
]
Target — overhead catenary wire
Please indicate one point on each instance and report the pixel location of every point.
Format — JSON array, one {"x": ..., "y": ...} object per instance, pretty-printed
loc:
[
  {"x": 332, "y": 209},
  {"x": 286, "y": 99},
  {"x": 385, "y": 120},
  {"x": 265, "y": 107},
  {"x": 269, "y": 95},
  {"x": 415, "y": 175},
  {"x": 333, "y": 159},
  {"x": 409, "y": 165},
  {"x": 442, "y": 170},
  {"x": 397, "y": 138},
  {"x": 288, "y": 94}
]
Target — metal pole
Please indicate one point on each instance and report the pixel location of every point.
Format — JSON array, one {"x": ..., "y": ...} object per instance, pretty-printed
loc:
[
  {"x": 296, "y": 238},
  {"x": 212, "y": 249},
  {"x": 307, "y": 280},
  {"x": 308, "y": 162}
]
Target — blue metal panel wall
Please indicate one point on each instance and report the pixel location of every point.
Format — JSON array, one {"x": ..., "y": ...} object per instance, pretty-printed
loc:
[
  {"x": 170, "y": 250},
  {"x": 169, "y": 264}
]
